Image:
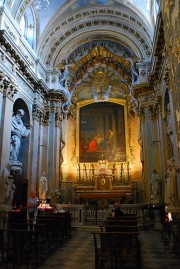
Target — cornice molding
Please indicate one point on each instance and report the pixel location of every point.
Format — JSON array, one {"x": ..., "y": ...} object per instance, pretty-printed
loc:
[
  {"x": 142, "y": 89},
  {"x": 54, "y": 96},
  {"x": 158, "y": 51},
  {"x": 149, "y": 98}
]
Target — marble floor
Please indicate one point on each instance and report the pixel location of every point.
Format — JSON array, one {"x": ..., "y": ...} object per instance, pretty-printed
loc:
[{"x": 78, "y": 252}]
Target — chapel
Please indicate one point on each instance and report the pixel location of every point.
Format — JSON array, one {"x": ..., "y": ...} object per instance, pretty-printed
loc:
[{"x": 90, "y": 102}]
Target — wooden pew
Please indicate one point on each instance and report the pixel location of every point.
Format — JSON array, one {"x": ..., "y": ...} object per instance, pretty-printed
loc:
[
  {"x": 62, "y": 224},
  {"x": 115, "y": 248}
]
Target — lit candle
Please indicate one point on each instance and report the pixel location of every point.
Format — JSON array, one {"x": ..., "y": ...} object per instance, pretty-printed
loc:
[{"x": 169, "y": 216}]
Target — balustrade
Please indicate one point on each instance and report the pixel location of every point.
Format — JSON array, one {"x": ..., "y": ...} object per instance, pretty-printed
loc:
[{"x": 92, "y": 215}]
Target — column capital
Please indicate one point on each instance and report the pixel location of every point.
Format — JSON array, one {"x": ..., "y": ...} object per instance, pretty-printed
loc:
[
  {"x": 37, "y": 113},
  {"x": 58, "y": 119},
  {"x": 46, "y": 118},
  {"x": 141, "y": 113},
  {"x": 7, "y": 87},
  {"x": 154, "y": 111}
]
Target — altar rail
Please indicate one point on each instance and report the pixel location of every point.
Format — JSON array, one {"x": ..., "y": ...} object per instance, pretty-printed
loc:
[{"x": 83, "y": 215}]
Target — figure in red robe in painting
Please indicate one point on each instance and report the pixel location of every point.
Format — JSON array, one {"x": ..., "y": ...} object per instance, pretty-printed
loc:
[{"x": 93, "y": 145}]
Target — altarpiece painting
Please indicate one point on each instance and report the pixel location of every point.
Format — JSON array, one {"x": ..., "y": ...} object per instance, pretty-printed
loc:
[{"x": 102, "y": 132}]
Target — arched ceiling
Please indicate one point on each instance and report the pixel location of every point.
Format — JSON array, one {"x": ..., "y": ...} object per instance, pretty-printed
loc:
[
  {"x": 120, "y": 25},
  {"x": 93, "y": 37},
  {"x": 17, "y": 7},
  {"x": 64, "y": 22}
]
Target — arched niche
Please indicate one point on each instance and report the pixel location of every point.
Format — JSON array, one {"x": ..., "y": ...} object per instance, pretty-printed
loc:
[{"x": 24, "y": 142}]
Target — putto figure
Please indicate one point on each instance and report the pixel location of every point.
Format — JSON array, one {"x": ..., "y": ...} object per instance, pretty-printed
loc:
[{"x": 18, "y": 131}]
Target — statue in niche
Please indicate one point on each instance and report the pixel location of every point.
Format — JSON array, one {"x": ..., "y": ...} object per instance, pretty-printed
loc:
[
  {"x": 7, "y": 186},
  {"x": 134, "y": 70},
  {"x": 10, "y": 190},
  {"x": 155, "y": 187},
  {"x": 43, "y": 187},
  {"x": 64, "y": 73},
  {"x": 171, "y": 182},
  {"x": 18, "y": 131},
  {"x": 169, "y": 129}
]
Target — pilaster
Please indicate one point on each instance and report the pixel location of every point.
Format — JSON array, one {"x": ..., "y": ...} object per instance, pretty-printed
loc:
[
  {"x": 51, "y": 127},
  {"x": 7, "y": 91},
  {"x": 155, "y": 143},
  {"x": 35, "y": 147}
]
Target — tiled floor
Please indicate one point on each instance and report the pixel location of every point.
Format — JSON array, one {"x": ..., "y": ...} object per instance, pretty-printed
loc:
[{"x": 78, "y": 253}]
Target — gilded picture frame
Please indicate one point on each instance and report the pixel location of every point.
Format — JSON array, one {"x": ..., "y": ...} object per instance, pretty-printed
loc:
[{"x": 102, "y": 132}]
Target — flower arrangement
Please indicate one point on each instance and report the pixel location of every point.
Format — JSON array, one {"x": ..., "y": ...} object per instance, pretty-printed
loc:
[{"x": 57, "y": 195}]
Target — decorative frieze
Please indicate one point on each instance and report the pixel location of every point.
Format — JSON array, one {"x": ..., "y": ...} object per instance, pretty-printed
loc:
[{"x": 10, "y": 32}]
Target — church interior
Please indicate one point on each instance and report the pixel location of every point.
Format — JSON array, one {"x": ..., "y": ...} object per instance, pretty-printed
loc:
[{"x": 90, "y": 108}]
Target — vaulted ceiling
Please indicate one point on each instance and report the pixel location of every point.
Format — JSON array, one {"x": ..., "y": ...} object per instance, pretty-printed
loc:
[{"x": 92, "y": 36}]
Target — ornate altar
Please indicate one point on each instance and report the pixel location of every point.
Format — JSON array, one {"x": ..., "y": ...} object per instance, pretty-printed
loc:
[{"x": 101, "y": 182}]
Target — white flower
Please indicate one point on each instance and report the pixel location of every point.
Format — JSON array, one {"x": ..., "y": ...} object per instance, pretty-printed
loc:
[{"x": 56, "y": 193}]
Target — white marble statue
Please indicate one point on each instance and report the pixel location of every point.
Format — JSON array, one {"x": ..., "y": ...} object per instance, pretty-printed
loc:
[
  {"x": 171, "y": 182},
  {"x": 155, "y": 187},
  {"x": 43, "y": 187},
  {"x": 64, "y": 73},
  {"x": 18, "y": 131},
  {"x": 3, "y": 183},
  {"x": 63, "y": 87},
  {"x": 9, "y": 190},
  {"x": 7, "y": 186}
]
